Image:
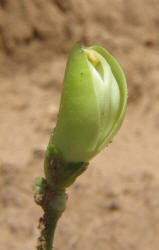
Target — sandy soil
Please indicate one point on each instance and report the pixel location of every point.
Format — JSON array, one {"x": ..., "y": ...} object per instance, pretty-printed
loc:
[{"x": 115, "y": 204}]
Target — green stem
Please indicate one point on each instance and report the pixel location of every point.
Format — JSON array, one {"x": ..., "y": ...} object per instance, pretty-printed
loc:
[
  {"x": 53, "y": 203},
  {"x": 52, "y": 214},
  {"x": 50, "y": 193},
  {"x": 50, "y": 230}
]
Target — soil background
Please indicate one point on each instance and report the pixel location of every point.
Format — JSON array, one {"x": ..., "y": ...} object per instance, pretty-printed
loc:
[{"x": 115, "y": 204}]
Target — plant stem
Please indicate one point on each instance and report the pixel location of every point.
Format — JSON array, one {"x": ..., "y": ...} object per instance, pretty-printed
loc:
[
  {"x": 51, "y": 221},
  {"x": 50, "y": 193},
  {"x": 53, "y": 203}
]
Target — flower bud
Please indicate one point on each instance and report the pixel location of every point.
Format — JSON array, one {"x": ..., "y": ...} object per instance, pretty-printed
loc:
[{"x": 93, "y": 104}]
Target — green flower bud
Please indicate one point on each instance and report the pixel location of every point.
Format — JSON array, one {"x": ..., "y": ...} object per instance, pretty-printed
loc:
[{"x": 93, "y": 104}]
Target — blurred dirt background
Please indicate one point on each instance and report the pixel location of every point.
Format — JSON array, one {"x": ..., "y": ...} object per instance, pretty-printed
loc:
[{"x": 115, "y": 204}]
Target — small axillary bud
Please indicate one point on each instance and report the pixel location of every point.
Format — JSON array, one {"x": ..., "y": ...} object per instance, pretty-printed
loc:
[{"x": 92, "y": 56}]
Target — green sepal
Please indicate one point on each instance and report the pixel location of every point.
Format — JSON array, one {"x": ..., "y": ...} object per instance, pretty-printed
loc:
[
  {"x": 61, "y": 174},
  {"x": 67, "y": 174},
  {"x": 50, "y": 156}
]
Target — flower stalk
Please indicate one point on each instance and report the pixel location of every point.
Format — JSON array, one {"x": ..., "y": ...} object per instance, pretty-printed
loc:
[
  {"x": 50, "y": 193},
  {"x": 53, "y": 203}
]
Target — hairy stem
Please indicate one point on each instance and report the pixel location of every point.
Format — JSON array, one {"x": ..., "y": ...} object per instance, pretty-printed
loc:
[
  {"x": 50, "y": 221},
  {"x": 53, "y": 203},
  {"x": 50, "y": 193}
]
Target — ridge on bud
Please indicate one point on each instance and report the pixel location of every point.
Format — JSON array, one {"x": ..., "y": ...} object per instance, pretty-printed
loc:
[{"x": 93, "y": 104}]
